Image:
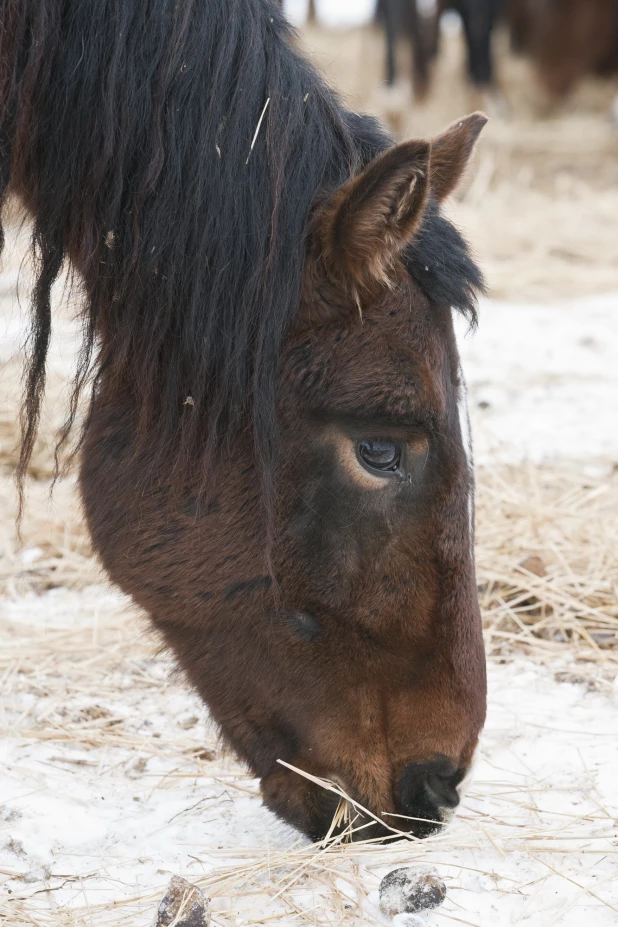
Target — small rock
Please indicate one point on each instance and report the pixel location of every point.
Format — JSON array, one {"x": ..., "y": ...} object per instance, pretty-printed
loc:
[
  {"x": 186, "y": 722},
  {"x": 36, "y": 875},
  {"x": 410, "y": 890},
  {"x": 15, "y": 847},
  {"x": 93, "y": 713},
  {"x": 534, "y": 564},
  {"x": 183, "y": 905}
]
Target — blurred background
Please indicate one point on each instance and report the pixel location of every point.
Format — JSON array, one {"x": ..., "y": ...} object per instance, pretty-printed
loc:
[{"x": 541, "y": 208}]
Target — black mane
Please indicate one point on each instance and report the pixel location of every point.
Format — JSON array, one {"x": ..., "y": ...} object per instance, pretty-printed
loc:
[{"x": 171, "y": 150}]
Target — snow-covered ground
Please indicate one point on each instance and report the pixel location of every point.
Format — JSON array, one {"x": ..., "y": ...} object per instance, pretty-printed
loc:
[
  {"x": 120, "y": 783},
  {"x": 543, "y": 380},
  {"x": 111, "y": 779}
]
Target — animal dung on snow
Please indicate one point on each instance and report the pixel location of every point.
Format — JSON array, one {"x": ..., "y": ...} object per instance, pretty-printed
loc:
[
  {"x": 183, "y": 905},
  {"x": 410, "y": 890}
]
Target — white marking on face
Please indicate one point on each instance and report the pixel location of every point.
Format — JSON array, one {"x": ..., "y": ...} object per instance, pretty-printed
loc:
[
  {"x": 466, "y": 437},
  {"x": 464, "y": 418},
  {"x": 464, "y": 785}
]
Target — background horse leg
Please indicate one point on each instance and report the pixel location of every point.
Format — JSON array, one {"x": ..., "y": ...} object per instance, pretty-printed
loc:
[
  {"x": 423, "y": 25},
  {"x": 479, "y": 17},
  {"x": 518, "y": 17},
  {"x": 387, "y": 14}
]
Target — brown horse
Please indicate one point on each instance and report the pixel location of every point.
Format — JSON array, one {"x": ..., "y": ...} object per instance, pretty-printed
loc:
[
  {"x": 567, "y": 39},
  {"x": 275, "y": 461}
]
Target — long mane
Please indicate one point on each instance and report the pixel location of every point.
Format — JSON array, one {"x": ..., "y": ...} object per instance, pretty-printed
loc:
[{"x": 171, "y": 151}]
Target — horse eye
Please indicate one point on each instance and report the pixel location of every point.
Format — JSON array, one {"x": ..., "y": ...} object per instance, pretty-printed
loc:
[{"x": 381, "y": 457}]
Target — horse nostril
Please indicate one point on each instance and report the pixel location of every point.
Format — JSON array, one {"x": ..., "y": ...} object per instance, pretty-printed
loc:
[
  {"x": 304, "y": 625},
  {"x": 444, "y": 788},
  {"x": 427, "y": 787}
]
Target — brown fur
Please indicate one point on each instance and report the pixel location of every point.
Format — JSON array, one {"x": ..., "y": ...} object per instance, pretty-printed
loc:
[
  {"x": 450, "y": 153},
  {"x": 356, "y": 652},
  {"x": 567, "y": 39},
  {"x": 360, "y": 232},
  {"x": 370, "y": 220}
]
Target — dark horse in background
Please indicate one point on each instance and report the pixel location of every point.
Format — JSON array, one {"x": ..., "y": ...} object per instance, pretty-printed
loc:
[
  {"x": 274, "y": 458},
  {"x": 419, "y": 22},
  {"x": 566, "y": 39}
]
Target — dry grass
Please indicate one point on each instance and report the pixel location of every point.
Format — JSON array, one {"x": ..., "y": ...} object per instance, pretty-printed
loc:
[
  {"x": 297, "y": 884},
  {"x": 547, "y": 561}
]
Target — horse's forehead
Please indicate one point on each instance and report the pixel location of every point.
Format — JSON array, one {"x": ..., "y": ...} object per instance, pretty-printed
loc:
[{"x": 399, "y": 363}]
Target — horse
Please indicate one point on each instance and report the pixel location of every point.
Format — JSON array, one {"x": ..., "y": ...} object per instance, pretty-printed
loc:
[
  {"x": 419, "y": 20},
  {"x": 274, "y": 453},
  {"x": 566, "y": 39}
]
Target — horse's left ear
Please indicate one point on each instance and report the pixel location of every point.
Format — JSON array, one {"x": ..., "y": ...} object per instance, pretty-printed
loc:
[
  {"x": 361, "y": 230},
  {"x": 450, "y": 153}
]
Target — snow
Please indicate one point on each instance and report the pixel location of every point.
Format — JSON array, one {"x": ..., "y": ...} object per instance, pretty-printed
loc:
[
  {"x": 543, "y": 380},
  {"x": 105, "y": 824},
  {"x": 105, "y": 790}
]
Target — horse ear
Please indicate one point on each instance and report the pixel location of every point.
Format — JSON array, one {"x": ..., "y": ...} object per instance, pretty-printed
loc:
[
  {"x": 450, "y": 153},
  {"x": 366, "y": 224}
]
